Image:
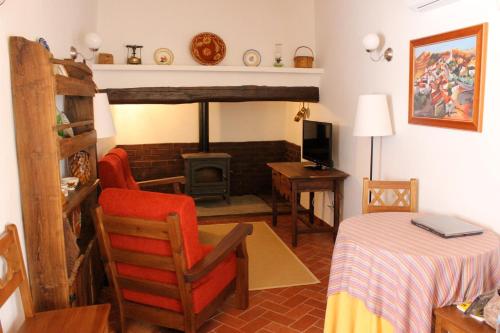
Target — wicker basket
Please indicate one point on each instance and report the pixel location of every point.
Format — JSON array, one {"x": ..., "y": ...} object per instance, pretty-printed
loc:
[{"x": 303, "y": 61}]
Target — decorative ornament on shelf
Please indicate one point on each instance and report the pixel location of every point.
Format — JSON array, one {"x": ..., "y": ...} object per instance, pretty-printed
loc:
[
  {"x": 105, "y": 59},
  {"x": 278, "y": 59},
  {"x": 132, "y": 57},
  {"x": 164, "y": 56},
  {"x": 79, "y": 165},
  {"x": 42, "y": 41},
  {"x": 251, "y": 58},
  {"x": 208, "y": 49},
  {"x": 303, "y": 61}
]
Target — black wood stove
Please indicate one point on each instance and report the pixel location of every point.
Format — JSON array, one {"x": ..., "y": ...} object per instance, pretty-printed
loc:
[{"x": 207, "y": 174}]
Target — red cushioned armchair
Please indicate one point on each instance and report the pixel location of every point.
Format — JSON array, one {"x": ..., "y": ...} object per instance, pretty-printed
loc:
[
  {"x": 160, "y": 271},
  {"x": 114, "y": 171}
]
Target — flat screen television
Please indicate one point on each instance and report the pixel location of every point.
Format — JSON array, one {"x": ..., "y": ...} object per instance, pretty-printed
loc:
[{"x": 317, "y": 143}]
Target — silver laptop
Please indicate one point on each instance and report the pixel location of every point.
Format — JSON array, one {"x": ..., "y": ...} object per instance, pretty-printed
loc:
[{"x": 446, "y": 226}]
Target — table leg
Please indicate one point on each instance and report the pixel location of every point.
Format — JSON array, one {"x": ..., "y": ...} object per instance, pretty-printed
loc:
[
  {"x": 438, "y": 328},
  {"x": 336, "y": 210},
  {"x": 293, "y": 200},
  {"x": 274, "y": 205},
  {"x": 311, "y": 207}
]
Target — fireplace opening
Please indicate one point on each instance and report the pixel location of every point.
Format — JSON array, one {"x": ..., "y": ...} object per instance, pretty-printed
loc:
[{"x": 207, "y": 175}]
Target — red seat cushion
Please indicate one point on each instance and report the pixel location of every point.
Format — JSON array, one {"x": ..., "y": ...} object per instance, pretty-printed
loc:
[{"x": 156, "y": 206}]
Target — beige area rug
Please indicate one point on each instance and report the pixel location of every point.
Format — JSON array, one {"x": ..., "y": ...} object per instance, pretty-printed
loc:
[
  {"x": 240, "y": 205},
  {"x": 271, "y": 263}
]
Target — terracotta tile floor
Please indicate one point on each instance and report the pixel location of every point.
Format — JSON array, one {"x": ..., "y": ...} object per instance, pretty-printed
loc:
[{"x": 293, "y": 309}]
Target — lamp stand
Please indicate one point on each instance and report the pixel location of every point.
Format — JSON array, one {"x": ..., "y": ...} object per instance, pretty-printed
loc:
[
  {"x": 371, "y": 168},
  {"x": 371, "y": 159}
]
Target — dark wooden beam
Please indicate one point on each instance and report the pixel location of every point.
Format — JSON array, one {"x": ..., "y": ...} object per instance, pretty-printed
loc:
[{"x": 183, "y": 95}]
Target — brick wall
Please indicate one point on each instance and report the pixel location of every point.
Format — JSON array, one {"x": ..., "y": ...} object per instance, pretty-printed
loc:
[{"x": 249, "y": 173}]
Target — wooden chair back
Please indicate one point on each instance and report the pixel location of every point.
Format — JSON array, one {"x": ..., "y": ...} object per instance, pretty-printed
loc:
[
  {"x": 14, "y": 272},
  {"x": 389, "y": 196},
  {"x": 169, "y": 231}
]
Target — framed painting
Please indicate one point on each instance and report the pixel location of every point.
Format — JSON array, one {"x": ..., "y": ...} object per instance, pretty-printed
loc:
[{"x": 447, "y": 74}]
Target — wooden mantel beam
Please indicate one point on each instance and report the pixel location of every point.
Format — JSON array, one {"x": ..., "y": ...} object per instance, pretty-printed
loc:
[{"x": 183, "y": 95}]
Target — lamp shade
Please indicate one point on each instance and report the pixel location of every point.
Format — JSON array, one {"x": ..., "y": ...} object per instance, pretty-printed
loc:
[
  {"x": 93, "y": 41},
  {"x": 372, "y": 116},
  {"x": 371, "y": 42},
  {"x": 103, "y": 120}
]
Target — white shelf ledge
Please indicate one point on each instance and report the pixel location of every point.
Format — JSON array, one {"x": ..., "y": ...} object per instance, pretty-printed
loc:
[
  {"x": 188, "y": 68},
  {"x": 134, "y": 76}
]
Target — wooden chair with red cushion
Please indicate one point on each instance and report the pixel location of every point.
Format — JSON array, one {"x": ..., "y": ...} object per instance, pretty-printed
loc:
[
  {"x": 160, "y": 271},
  {"x": 114, "y": 171},
  {"x": 76, "y": 320}
]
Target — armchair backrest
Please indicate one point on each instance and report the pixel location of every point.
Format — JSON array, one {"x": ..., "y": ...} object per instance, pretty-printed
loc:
[
  {"x": 154, "y": 207},
  {"x": 127, "y": 172},
  {"x": 114, "y": 171}
]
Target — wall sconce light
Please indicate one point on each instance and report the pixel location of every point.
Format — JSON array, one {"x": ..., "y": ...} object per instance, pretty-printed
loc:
[
  {"x": 371, "y": 42},
  {"x": 93, "y": 42},
  {"x": 304, "y": 112}
]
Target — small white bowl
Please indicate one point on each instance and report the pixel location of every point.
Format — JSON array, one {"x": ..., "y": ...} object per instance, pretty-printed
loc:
[{"x": 70, "y": 182}]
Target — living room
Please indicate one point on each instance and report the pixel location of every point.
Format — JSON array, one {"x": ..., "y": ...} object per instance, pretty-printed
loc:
[{"x": 456, "y": 169}]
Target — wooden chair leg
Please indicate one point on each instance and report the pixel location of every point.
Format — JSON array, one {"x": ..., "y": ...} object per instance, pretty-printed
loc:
[
  {"x": 123, "y": 323},
  {"x": 190, "y": 323},
  {"x": 242, "y": 296}
]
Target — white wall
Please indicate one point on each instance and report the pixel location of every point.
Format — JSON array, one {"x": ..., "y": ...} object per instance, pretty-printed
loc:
[
  {"x": 62, "y": 23},
  {"x": 172, "y": 24},
  {"x": 229, "y": 122},
  {"x": 457, "y": 170}
]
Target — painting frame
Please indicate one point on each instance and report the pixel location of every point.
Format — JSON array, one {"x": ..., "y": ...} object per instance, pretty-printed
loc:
[{"x": 472, "y": 109}]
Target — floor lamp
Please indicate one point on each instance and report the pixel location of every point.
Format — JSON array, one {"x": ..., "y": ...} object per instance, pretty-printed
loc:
[
  {"x": 372, "y": 119},
  {"x": 103, "y": 120}
]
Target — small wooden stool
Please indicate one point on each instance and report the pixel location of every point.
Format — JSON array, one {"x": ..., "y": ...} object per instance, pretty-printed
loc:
[{"x": 450, "y": 319}]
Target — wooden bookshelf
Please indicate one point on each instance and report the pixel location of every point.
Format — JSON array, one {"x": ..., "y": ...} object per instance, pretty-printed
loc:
[
  {"x": 71, "y": 146},
  {"x": 69, "y": 86},
  {"x": 64, "y": 269}
]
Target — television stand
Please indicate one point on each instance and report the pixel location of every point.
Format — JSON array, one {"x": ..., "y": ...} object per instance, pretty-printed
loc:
[{"x": 290, "y": 179}]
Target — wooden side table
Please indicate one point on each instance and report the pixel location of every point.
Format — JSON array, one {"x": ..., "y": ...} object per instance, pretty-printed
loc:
[
  {"x": 450, "y": 319},
  {"x": 292, "y": 178}
]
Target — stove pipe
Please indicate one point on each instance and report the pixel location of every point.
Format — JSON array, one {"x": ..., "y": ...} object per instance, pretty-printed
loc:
[{"x": 203, "y": 127}]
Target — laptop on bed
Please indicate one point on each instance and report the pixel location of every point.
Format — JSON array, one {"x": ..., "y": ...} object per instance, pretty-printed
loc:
[{"x": 446, "y": 226}]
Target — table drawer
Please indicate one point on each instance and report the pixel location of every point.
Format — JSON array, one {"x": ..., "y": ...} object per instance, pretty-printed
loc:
[{"x": 315, "y": 185}]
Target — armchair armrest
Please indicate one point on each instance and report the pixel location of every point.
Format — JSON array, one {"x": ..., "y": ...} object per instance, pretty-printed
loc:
[
  {"x": 164, "y": 181},
  {"x": 228, "y": 244}
]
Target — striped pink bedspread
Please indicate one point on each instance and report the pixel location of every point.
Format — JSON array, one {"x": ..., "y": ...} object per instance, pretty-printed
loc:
[{"x": 402, "y": 272}]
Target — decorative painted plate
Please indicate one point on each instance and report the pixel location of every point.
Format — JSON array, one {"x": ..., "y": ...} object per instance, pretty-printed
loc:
[
  {"x": 79, "y": 165},
  {"x": 208, "y": 49},
  {"x": 251, "y": 58},
  {"x": 164, "y": 56}
]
